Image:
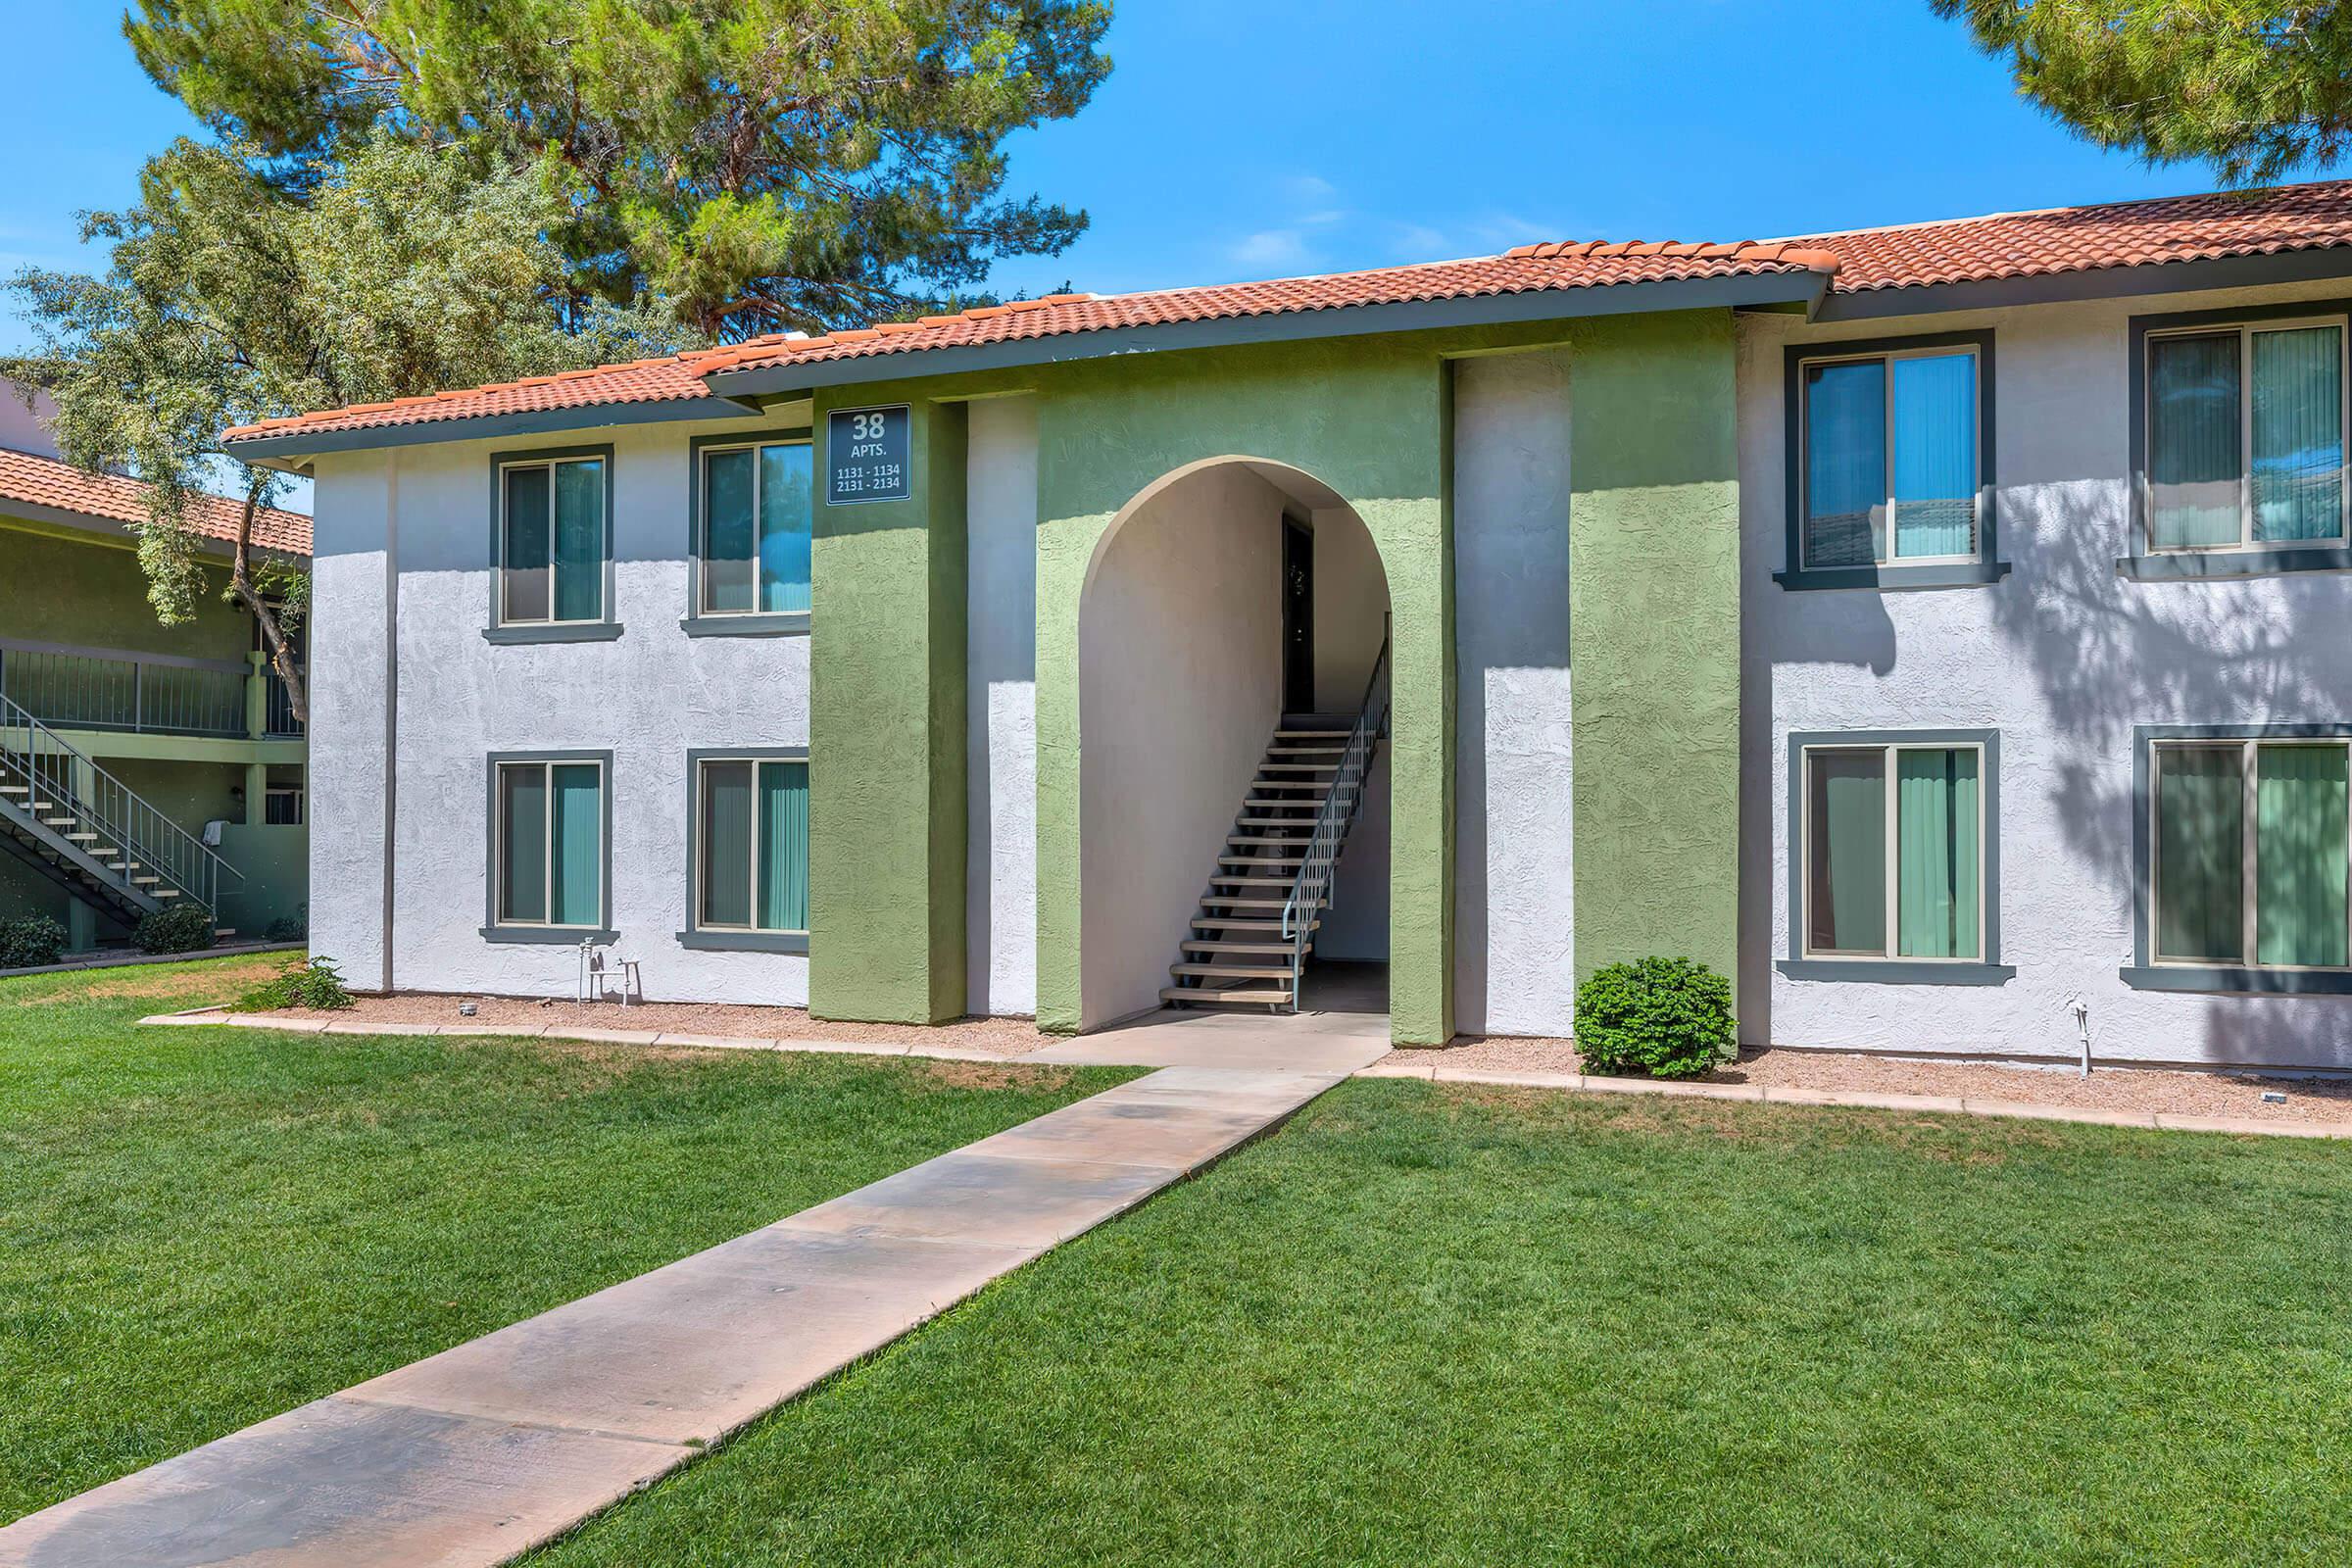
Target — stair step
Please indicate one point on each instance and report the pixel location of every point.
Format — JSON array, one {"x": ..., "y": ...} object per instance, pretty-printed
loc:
[
  {"x": 1295, "y": 824},
  {"x": 1222, "y": 901},
  {"x": 1297, "y": 751},
  {"x": 16, "y": 789},
  {"x": 81, "y": 838},
  {"x": 1200, "y": 996},
  {"x": 1298, "y": 767},
  {"x": 165, "y": 893},
  {"x": 1202, "y": 945},
  {"x": 1234, "y": 879},
  {"x": 1211, "y": 923},
  {"x": 1232, "y": 971},
  {"x": 1262, "y": 861},
  {"x": 222, "y": 933},
  {"x": 145, "y": 881}
]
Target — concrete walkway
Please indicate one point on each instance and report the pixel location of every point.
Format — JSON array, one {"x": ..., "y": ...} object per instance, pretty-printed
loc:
[{"x": 475, "y": 1455}]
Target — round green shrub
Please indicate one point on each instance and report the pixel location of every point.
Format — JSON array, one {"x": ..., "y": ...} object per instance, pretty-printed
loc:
[
  {"x": 312, "y": 984},
  {"x": 287, "y": 928},
  {"x": 1670, "y": 1017},
  {"x": 181, "y": 928},
  {"x": 31, "y": 941}
]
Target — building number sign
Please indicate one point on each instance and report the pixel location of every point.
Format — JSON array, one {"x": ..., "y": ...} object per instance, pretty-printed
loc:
[{"x": 866, "y": 456}]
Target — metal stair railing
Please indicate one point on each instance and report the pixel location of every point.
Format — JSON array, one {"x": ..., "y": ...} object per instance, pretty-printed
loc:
[
  {"x": 1320, "y": 858},
  {"x": 31, "y": 755}
]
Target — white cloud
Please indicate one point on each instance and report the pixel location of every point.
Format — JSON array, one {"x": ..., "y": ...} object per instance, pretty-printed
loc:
[{"x": 1268, "y": 247}]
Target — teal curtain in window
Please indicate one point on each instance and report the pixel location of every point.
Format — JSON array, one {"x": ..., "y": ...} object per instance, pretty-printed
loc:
[
  {"x": 2200, "y": 852},
  {"x": 1936, "y": 860},
  {"x": 527, "y": 543},
  {"x": 726, "y": 871},
  {"x": 579, "y": 541},
  {"x": 576, "y": 887},
  {"x": 1846, "y": 902},
  {"x": 1936, "y": 455},
  {"x": 727, "y": 532},
  {"x": 2194, "y": 460},
  {"x": 784, "y": 846},
  {"x": 786, "y": 494},
  {"x": 1845, "y": 462},
  {"x": 2299, "y": 854},
  {"x": 2298, "y": 435},
  {"x": 522, "y": 843}
]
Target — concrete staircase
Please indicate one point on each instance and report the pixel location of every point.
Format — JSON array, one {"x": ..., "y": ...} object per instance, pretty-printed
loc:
[{"x": 82, "y": 829}]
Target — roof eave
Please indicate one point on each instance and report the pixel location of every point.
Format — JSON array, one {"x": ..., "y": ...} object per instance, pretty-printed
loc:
[
  {"x": 1348, "y": 320},
  {"x": 286, "y": 450},
  {"x": 2090, "y": 283}
]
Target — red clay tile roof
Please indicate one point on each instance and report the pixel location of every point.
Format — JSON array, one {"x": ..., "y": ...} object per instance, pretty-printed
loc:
[
  {"x": 39, "y": 481},
  {"x": 2007, "y": 245}
]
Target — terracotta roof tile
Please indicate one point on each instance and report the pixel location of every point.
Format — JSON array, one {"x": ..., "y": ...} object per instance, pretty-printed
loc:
[
  {"x": 35, "y": 480},
  {"x": 2007, "y": 245}
]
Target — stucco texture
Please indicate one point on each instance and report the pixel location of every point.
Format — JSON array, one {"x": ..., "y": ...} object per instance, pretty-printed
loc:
[
  {"x": 2062, "y": 658},
  {"x": 1367, "y": 418}
]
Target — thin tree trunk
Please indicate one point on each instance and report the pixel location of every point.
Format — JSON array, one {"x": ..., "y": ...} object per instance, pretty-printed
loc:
[{"x": 264, "y": 614}]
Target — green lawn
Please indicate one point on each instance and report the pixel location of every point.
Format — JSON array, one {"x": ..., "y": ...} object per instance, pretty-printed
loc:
[
  {"x": 1426, "y": 1325},
  {"x": 200, "y": 1228}
]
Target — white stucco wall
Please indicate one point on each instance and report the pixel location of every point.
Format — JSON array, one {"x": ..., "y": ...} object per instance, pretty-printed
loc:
[
  {"x": 1514, "y": 943},
  {"x": 1180, "y": 640},
  {"x": 647, "y": 697},
  {"x": 2062, "y": 658},
  {"x": 1352, "y": 606},
  {"x": 1001, "y": 896}
]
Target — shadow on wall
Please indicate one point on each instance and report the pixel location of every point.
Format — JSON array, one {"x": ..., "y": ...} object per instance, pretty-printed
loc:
[{"x": 2109, "y": 654}]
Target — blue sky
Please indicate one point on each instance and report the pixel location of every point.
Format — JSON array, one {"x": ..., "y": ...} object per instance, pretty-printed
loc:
[{"x": 1240, "y": 139}]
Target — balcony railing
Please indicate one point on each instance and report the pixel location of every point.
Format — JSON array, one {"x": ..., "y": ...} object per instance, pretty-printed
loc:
[
  {"x": 154, "y": 693},
  {"x": 279, "y": 723}
]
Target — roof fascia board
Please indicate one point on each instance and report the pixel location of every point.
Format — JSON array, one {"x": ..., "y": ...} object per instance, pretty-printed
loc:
[
  {"x": 296, "y": 443},
  {"x": 84, "y": 527},
  {"x": 2097, "y": 283},
  {"x": 1351, "y": 320}
]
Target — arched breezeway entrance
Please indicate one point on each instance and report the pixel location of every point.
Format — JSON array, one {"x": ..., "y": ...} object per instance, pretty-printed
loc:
[{"x": 1231, "y": 621}]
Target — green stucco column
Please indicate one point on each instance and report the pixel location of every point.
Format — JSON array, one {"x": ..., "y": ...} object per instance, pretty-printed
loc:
[
  {"x": 886, "y": 733},
  {"x": 1653, "y": 610},
  {"x": 1369, "y": 419}
]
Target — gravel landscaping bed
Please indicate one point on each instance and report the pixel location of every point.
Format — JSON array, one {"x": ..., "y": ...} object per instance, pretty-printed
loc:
[
  {"x": 1006, "y": 1037},
  {"x": 2179, "y": 1091}
]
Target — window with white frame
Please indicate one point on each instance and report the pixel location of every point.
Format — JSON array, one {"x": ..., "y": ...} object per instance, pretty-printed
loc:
[
  {"x": 2245, "y": 435},
  {"x": 1891, "y": 471},
  {"x": 1894, "y": 851},
  {"x": 2250, "y": 842},
  {"x": 756, "y": 508},
  {"x": 751, "y": 828},
  {"x": 548, "y": 843},
  {"x": 551, "y": 540}
]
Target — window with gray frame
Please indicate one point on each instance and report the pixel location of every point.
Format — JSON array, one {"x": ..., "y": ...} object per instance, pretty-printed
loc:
[
  {"x": 551, "y": 540},
  {"x": 2249, "y": 841},
  {"x": 2244, "y": 432},
  {"x": 1889, "y": 470},
  {"x": 1893, "y": 851},
  {"x": 757, "y": 509},
  {"x": 751, "y": 838},
  {"x": 548, "y": 843}
]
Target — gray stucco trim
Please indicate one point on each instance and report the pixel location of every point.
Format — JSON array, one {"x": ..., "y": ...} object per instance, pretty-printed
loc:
[
  {"x": 2098, "y": 283},
  {"x": 784, "y": 623},
  {"x": 544, "y": 935},
  {"x": 499, "y": 463},
  {"x": 2244, "y": 979},
  {"x": 765, "y": 624},
  {"x": 1985, "y": 970},
  {"x": 2148, "y": 564},
  {"x": 1353, "y": 321},
  {"x": 1794, "y": 576},
  {"x": 694, "y": 936},
  {"x": 297, "y": 445},
  {"x": 553, "y": 631}
]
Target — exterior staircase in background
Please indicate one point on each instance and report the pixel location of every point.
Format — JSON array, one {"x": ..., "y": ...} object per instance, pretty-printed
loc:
[
  {"x": 85, "y": 830},
  {"x": 1258, "y": 920}
]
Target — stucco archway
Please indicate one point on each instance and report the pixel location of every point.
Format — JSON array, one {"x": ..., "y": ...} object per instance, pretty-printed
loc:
[{"x": 1180, "y": 634}]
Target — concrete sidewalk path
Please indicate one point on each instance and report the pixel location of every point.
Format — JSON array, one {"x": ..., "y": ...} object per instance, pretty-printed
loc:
[{"x": 475, "y": 1455}]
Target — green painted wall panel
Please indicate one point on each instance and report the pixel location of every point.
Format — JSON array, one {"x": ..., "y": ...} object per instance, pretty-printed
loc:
[
  {"x": 885, "y": 747},
  {"x": 1368, "y": 418},
  {"x": 1654, "y": 633},
  {"x": 94, "y": 596}
]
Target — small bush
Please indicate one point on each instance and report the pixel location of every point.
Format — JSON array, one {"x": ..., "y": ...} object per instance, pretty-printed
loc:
[
  {"x": 31, "y": 941},
  {"x": 287, "y": 928},
  {"x": 311, "y": 984},
  {"x": 181, "y": 928},
  {"x": 1670, "y": 1017}
]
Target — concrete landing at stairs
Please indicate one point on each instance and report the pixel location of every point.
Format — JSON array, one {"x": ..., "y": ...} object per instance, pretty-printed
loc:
[{"x": 473, "y": 1457}]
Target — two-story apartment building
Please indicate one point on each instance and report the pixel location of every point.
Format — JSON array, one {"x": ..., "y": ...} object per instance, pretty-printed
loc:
[
  {"x": 140, "y": 764},
  {"x": 1939, "y": 628}
]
